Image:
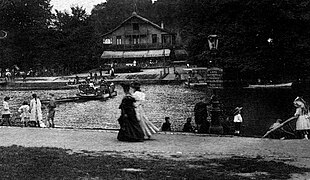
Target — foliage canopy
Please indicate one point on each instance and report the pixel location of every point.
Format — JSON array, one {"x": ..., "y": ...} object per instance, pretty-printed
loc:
[{"x": 72, "y": 41}]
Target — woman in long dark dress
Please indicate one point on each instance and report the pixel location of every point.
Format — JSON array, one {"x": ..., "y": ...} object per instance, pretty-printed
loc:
[{"x": 130, "y": 129}]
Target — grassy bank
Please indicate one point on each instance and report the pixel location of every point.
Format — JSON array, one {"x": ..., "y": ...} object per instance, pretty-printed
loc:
[{"x": 18, "y": 162}]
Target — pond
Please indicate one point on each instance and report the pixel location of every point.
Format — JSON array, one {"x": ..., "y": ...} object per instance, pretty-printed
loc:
[{"x": 261, "y": 107}]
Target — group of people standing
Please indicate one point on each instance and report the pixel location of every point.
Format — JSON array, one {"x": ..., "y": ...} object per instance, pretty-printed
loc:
[
  {"x": 31, "y": 113},
  {"x": 134, "y": 124}
]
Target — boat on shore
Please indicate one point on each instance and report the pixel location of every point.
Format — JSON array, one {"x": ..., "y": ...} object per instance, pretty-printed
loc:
[
  {"x": 282, "y": 85},
  {"x": 195, "y": 84},
  {"x": 283, "y": 130}
]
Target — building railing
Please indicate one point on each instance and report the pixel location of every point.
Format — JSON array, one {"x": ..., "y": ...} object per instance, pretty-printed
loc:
[{"x": 138, "y": 46}]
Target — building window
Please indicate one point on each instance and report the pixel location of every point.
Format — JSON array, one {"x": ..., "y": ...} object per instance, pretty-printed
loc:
[
  {"x": 107, "y": 41},
  {"x": 135, "y": 26},
  {"x": 166, "y": 39},
  {"x": 136, "y": 39},
  {"x": 118, "y": 39},
  {"x": 154, "y": 38}
]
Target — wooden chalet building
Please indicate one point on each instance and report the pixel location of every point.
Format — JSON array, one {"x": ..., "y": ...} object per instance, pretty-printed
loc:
[{"x": 139, "y": 42}]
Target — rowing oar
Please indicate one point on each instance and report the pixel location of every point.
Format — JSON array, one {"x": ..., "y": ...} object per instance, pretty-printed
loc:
[{"x": 282, "y": 124}]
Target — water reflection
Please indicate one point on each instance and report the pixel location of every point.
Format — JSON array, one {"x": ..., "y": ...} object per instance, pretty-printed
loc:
[{"x": 260, "y": 107}]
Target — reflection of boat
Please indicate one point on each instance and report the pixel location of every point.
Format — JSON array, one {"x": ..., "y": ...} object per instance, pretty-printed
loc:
[{"x": 284, "y": 85}]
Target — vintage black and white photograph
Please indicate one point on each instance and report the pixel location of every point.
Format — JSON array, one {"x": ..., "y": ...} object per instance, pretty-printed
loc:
[{"x": 155, "y": 89}]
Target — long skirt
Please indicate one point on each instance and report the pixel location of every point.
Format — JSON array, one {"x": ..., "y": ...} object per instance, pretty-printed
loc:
[
  {"x": 130, "y": 130},
  {"x": 302, "y": 123},
  {"x": 147, "y": 126}
]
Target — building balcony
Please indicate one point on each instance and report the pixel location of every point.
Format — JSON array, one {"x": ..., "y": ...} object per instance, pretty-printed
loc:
[{"x": 125, "y": 47}]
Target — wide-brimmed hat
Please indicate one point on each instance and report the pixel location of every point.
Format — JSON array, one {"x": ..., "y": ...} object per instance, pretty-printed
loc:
[
  {"x": 136, "y": 85},
  {"x": 299, "y": 102},
  {"x": 125, "y": 85},
  {"x": 237, "y": 110}
]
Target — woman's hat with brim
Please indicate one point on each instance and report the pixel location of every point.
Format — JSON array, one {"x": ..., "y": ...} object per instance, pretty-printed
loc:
[
  {"x": 125, "y": 85},
  {"x": 299, "y": 102},
  {"x": 237, "y": 110},
  {"x": 136, "y": 85}
]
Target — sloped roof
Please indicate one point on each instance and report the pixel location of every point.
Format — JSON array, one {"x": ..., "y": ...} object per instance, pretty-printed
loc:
[{"x": 135, "y": 15}]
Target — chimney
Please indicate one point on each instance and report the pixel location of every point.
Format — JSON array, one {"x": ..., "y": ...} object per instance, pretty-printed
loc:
[{"x": 162, "y": 25}]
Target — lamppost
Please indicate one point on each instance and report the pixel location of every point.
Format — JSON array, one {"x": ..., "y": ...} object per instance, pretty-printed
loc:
[
  {"x": 213, "y": 45},
  {"x": 215, "y": 81}
]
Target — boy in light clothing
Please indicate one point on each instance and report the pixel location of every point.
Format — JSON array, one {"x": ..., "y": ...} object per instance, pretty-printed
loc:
[{"x": 237, "y": 120}]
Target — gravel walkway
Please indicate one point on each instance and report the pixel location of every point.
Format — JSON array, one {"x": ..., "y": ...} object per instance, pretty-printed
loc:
[{"x": 170, "y": 145}]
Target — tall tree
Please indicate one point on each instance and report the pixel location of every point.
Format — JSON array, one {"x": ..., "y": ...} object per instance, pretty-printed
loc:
[
  {"x": 25, "y": 21},
  {"x": 76, "y": 39},
  {"x": 267, "y": 37}
]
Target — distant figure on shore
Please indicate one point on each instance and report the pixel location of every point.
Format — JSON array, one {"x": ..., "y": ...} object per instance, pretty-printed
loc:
[
  {"x": 51, "y": 111},
  {"x": 87, "y": 79},
  {"x": 6, "y": 114},
  {"x": 112, "y": 74},
  {"x": 237, "y": 120},
  {"x": 130, "y": 129},
  {"x": 201, "y": 116},
  {"x": 188, "y": 126},
  {"x": 36, "y": 111},
  {"x": 302, "y": 114},
  {"x": 147, "y": 126},
  {"x": 8, "y": 75},
  {"x": 24, "y": 113},
  {"x": 77, "y": 79},
  {"x": 24, "y": 75},
  {"x": 177, "y": 76},
  {"x": 166, "y": 125},
  {"x": 100, "y": 71}
]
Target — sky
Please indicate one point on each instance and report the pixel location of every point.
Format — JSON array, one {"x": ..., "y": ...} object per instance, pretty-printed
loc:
[
  {"x": 62, "y": 5},
  {"x": 66, "y": 4}
]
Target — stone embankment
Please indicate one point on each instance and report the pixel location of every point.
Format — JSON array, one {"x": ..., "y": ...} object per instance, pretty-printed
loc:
[{"x": 147, "y": 76}]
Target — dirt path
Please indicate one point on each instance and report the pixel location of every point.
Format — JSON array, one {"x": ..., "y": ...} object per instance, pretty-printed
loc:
[{"x": 170, "y": 145}]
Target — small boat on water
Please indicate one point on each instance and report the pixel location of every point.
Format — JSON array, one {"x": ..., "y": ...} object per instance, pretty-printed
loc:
[{"x": 89, "y": 91}]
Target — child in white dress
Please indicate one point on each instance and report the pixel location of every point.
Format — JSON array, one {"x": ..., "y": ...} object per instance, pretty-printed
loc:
[
  {"x": 302, "y": 114},
  {"x": 24, "y": 113}
]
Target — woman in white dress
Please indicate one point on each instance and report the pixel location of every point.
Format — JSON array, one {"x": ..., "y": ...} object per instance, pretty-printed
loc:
[
  {"x": 302, "y": 114},
  {"x": 147, "y": 126},
  {"x": 36, "y": 111}
]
